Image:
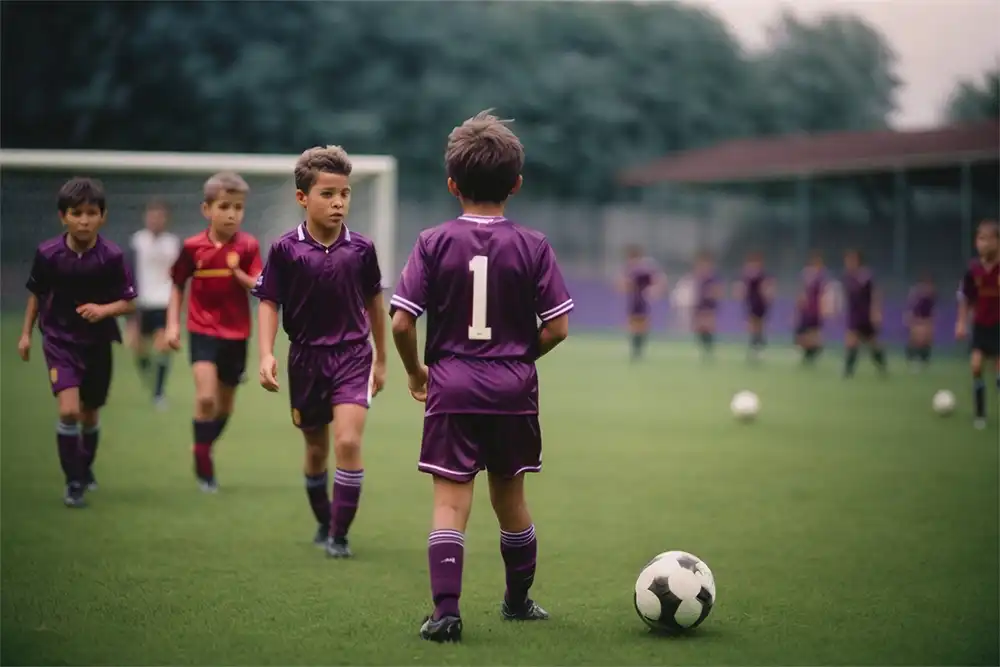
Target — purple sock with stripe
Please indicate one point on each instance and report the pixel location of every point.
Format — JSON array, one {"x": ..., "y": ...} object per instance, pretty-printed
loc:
[
  {"x": 346, "y": 494},
  {"x": 445, "y": 557},
  {"x": 520, "y": 553}
]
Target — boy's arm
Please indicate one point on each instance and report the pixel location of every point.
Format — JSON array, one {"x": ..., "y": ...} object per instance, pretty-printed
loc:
[
  {"x": 404, "y": 335},
  {"x": 30, "y": 315},
  {"x": 248, "y": 278},
  {"x": 552, "y": 333},
  {"x": 966, "y": 296},
  {"x": 376, "y": 316},
  {"x": 267, "y": 324},
  {"x": 552, "y": 301}
]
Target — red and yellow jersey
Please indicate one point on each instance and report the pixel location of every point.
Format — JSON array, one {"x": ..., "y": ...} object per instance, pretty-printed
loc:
[{"x": 981, "y": 290}]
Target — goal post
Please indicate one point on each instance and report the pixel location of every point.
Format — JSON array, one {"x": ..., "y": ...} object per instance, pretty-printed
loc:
[{"x": 30, "y": 178}]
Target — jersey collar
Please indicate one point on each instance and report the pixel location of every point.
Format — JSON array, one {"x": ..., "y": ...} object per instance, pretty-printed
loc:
[
  {"x": 482, "y": 219},
  {"x": 303, "y": 235}
]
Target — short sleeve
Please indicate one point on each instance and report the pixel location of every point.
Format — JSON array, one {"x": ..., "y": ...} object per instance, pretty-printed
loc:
[
  {"x": 183, "y": 267},
  {"x": 411, "y": 291},
  {"x": 371, "y": 274},
  {"x": 40, "y": 280},
  {"x": 124, "y": 287},
  {"x": 251, "y": 259},
  {"x": 967, "y": 289},
  {"x": 271, "y": 279},
  {"x": 551, "y": 297}
]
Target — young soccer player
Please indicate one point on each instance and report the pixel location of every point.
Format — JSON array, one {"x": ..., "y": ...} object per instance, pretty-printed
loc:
[
  {"x": 709, "y": 291},
  {"x": 79, "y": 284},
  {"x": 222, "y": 264},
  {"x": 326, "y": 280},
  {"x": 756, "y": 290},
  {"x": 483, "y": 280},
  {"x": 919, "y": 321},
  {"x": 810, "y": 308},
  {"x": 979, "y": 298},
  {"x": 155, "y": 250},
  {"x": 864, "y": 313},
  {"x": 641, "y": 281}
]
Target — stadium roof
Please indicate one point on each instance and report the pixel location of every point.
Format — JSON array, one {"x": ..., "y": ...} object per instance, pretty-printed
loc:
[{"x": 831, "y": 154}]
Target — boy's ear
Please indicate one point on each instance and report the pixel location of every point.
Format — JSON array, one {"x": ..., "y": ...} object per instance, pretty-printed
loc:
[{"x": 206, "y": 210}]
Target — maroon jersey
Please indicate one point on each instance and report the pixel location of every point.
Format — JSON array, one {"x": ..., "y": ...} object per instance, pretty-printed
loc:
[
  {"x": 981, "y": 290},
  {"x": 707, "y": 292},
  {"x": 921, "y": 302},
  {"x": 218, "y": 305},
  {"x": 859, "y": 287},
  {"x": 484, "y": 284},
  {"x": 754, "y": 296},
  {"x": 640, "y": 277},
  {"x": 813, "y": 284},
  {"x": 64, "y": 280},
  {"x": 322, "y": 291}
]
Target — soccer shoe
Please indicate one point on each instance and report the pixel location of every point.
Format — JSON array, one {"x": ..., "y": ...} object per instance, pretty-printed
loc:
[
  {"x": 91, "y": 481},
  {"x": 322, "y": 535},
  {"x": 444, "y": 629},
  {"x": 208, "y": 486},
  {"x": 160, "y": 403},
  {"x": 74, "y": 496},
  {"x": 336, "y": 547},
  {"x": 979, "y": 424},
  {"x": 530, "y": 611}
]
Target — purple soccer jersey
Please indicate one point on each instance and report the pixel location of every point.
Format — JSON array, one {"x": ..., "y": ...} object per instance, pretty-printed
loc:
[
  {"x": 639, "y": 277},
  {"x": 707, "y": 292},
  {"x": 484, "y": 284},
  {"x": 754, "y": 283},
  {"x": 859, "y": 287},
  {"x": 811, "y": 299},
  {"x": 64, "y": 280},
  {"x": 321, "y": 291},
  {"x": 921, "y": 302}
]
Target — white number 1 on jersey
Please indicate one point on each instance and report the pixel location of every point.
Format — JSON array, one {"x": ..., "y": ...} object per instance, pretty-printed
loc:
[{"x": 479, "y": 331}]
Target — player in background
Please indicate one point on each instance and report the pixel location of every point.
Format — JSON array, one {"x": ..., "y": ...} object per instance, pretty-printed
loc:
[
  {"x": 919, "y": 321},
  {"x": 810, "y": 307},
  {"x": 709, "y": 292},
  {"x": 155, "y": 250},
  {"x": 79, "y": 284},
  {"x": 979, "y": 298},
  {"x": 642, "y": 281},
  {"x": 222, "y": 263},
  {"x": 756, "y": 290},
  {"x": 864, "y": 313},
  {"x": 482, "y": 280},
  {"x": 326, "y": 281}
]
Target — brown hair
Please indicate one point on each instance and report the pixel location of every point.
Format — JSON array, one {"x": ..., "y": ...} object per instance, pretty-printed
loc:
[
  {"x": 329, "y": 159},
  {"x": 79, "y": 191},
  {"x": 990, "y": 226},
  {"x": 224, "y": 182},
  {"x": 484, "y": 158}
]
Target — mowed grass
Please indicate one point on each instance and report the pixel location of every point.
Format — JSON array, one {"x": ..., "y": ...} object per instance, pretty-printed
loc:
[{"x": 849, "y": 525}]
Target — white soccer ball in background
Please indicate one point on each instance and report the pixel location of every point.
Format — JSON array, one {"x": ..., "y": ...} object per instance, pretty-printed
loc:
[
  {"x": 674, "y": 592},
  {"x": 745, "y": 405},
  {"x": 944, "y": 402}
]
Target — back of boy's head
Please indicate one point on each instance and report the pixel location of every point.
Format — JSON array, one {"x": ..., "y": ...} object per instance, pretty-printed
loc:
[
  {"x": 318, "y": 160},
  {"x": 484, "y": 158},
  {"x": 990, "y": 226},
  {"x": 224, "y": 182},
  {"x": 77, "y": 192}
]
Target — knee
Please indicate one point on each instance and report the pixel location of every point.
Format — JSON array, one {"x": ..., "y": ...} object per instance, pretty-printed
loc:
[
  {"x": 205, "y": 405},
  {"x": 69, "y": 415},
  {"x": 347, "y": 448},
  {"x": 316, "y": 456}
]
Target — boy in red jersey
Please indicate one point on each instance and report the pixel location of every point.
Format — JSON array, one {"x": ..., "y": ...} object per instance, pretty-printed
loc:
[
  {"x": 979, "y": 297},
  {"x": 222, "y": 264}
]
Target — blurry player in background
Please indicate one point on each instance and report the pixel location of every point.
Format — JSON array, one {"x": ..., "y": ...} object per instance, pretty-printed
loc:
[
  {"x": 482, "y": 280},
  {"x": 810, "y": 307},
  {"x": 155, "y": 251},
  {"x": 919, "y": 321},
  {"x": 756, "y": 290},
  {"x": 222, "y": 264},
  {"x": 864, "y": 313},
  {"x": 642, "y": 281},
  {"x": 79, "y": 284},
  {"x": 326, "y": 280},
  {"x": 980, "y": 297},
  {"x": 709, "y": 292}
]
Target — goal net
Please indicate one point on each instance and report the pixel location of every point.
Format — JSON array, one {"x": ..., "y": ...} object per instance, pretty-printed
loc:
[{"x": 30, "y": 179}]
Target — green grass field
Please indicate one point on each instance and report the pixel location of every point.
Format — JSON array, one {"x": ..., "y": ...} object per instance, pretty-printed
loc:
[{"x": 849, "y": 525}]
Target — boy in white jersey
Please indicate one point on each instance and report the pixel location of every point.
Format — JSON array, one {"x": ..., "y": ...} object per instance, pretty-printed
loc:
[{"x": 155, "y": 250}]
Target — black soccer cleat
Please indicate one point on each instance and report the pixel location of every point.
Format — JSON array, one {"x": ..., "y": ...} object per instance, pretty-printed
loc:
[
  {"x": 441, "y": 630},
  {"x": 336, "y": 547},
  {"x": 74, "y": 496},
  {"x": 530, "y": 611},
  {"x": 321, "y": 536}
]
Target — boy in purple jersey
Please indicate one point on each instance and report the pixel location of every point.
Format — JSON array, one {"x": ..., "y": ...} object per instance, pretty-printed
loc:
[
  {"x": 482, "y": 280},
  {"x": 79, "y": 284},
  {"x": 326, "y": 281},
  {"x": 709, "y": 293},
  {"x": 864, "y": 313},
  {"x": 642, "y": 281},
  {"x": 810, "y": 308},
  {"x": 756, "y": 290},
  {"x": 919, "y": 321}
]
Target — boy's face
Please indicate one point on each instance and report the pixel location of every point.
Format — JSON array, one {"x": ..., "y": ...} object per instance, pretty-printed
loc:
[
  {"x": 328, "y": 201},
  {"x": 225, "y": 213},
  {"x": 987, "y": 242},
  {"x": 754, "y": 264},
  {"x": 83, "y": 221},
  {"x": 852, "y": 261},
  {"x": 156, "y": 220}
]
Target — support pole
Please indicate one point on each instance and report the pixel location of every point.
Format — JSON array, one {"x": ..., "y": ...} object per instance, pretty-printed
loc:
[
  {"x": 900, "y": 227},
  {"x": 965, "y": 202}
]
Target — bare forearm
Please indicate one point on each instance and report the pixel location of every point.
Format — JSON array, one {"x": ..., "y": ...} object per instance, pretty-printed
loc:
[
  {"x": 377, "y": 318},
  {"x": 267, "y": 323},
  {"x": 963, "y": 312},
  {"x": 245, "y": 280},
  {"x": 404, "y": 335},
  {"x": 120, "y": 307},
  {"x": 552, "y": 333},
  {"x": 30, "y": 315},
  {"x": 174, "y": 307}
]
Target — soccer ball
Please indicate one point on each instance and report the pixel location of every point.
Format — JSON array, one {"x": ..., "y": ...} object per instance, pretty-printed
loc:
[
  {"x": 674, "y": 592},
  {"x": 944, "y": 402},
  {"x": 745, "y": 405}
]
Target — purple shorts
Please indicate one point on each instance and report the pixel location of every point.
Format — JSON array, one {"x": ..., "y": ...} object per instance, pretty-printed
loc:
[
  {"x": 322, "y": 377},
  {"x": 458, "y": 446},
  {"x": 87, "y": 367}
]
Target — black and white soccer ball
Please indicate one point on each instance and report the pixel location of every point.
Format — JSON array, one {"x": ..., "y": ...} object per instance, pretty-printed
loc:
[{"x": 675, "y": 592}]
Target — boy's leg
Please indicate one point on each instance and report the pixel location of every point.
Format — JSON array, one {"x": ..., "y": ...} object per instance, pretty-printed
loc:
[
  {"x": 317, "y": 441},
  {"x": 231, "y": 364},
  {"x": 978, "y": 387},
  {"x": 348, "y": 430},
  {"x": 162, "y": 365},
  {"x": 68, "y": 441},
  {"x": 877, "y": 352},
  {"x": 851, "y": 343},
  {"x": 94, "y": 391},
  {"x": 206, "y": 394}
]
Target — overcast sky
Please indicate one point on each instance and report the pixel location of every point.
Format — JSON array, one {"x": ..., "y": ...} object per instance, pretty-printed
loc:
[{"x": 936, "y": 41}]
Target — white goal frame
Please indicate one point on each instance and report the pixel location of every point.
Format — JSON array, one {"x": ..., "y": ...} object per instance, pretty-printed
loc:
[{"x": 381, "y": 168}]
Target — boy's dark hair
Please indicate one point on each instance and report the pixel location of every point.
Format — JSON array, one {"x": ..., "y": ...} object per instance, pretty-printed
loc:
[
  {"x": 225, "y": 182},
  {"x": 484, "y": 158},
  {"x": 79, "y": 191},
  {"x": 317, "y": 160}
]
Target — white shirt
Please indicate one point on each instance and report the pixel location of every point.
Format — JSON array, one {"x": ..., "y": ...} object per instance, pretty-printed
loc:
[{"x": 155, "y": 254}]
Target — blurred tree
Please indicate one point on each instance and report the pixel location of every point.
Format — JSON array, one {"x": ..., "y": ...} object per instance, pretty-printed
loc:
[{"x": 975, "y": 100}]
